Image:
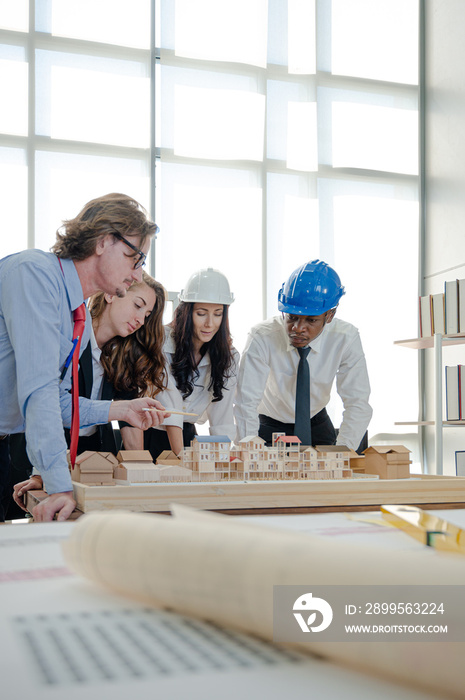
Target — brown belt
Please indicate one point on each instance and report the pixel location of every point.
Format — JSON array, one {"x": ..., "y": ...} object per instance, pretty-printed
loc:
[{"x": 2, "y": 437}]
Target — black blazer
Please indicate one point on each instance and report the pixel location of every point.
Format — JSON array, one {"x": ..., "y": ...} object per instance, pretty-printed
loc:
[{"x": 109, "y": 442}]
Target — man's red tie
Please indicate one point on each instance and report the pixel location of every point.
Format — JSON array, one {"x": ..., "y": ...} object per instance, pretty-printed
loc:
[{"x": 79, "y": 316}]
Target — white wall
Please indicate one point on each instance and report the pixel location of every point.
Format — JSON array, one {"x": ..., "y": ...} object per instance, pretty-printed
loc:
[{"x": 445, "y": 181}]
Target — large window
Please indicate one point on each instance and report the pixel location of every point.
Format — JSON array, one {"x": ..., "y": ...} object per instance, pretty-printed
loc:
[
  {"x": 288, "y": 131},
  {"x": 260, "y": 134},
  {"x": 75, "y": 122}
]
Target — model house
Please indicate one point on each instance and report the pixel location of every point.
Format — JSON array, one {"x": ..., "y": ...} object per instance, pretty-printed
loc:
[
  {"x": 136, "y": 466},
  {"x": 94, "y": 468},
  {"x": 387, "y": 461}
]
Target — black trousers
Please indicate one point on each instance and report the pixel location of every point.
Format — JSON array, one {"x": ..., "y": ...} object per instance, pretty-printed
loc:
[
  {"x": 5, "y": 495},
  {"x": 156, "y": 441},
  {"x": 323, "y": 432},
  {"x": 104, "y": 439}
]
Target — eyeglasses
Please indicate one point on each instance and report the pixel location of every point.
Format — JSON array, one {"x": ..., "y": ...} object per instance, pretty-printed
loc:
[{"x": 140, "y": 260}]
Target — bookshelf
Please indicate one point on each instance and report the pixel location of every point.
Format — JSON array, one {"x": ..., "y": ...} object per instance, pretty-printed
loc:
[{"x": 437, "y": 342}]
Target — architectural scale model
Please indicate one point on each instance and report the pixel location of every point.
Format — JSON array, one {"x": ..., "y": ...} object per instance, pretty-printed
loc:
[{"x": 215, "y": 458}]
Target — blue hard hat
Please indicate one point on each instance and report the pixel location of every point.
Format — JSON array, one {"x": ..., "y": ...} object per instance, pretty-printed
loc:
[{"x": 311, "y": 290}]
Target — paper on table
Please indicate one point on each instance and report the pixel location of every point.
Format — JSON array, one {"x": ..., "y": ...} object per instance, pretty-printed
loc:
[
  {"x": 217, "y": 568},
  {"x": 63, "y": 636},
  {"x": 80, "y": 641}
]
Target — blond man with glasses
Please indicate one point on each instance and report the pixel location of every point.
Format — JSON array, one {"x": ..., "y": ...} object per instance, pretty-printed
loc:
[{"x": 102, "y": 249}]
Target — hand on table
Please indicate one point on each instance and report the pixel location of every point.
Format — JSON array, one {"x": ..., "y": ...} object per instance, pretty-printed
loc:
[
  {"x": 61, "y": 504},
  {"x": 33, "y": 483}
]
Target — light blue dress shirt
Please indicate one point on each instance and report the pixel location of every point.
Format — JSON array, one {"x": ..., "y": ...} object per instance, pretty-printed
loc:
[{"x": 37, "y": 300}]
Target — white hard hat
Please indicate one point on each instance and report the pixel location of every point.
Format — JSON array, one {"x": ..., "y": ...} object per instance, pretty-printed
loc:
[{"x": 209, "y": 286}]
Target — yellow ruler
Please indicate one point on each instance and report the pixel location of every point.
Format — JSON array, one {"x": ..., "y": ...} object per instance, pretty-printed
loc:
[{"x": 426, "y": 527}]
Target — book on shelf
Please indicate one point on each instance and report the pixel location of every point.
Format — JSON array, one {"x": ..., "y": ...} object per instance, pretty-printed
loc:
[
  {"x": 437, "y": 313},
  {"x": 426, "y": 317},
  {"x": 460, "y": 463},
  {"x": 461, "y": 305},
  {"x": 455, "y": 392},
  {"x": 444, "y": 312},
  {"x": 451, "y": 306},
  {"x": 432, "y": 315}
]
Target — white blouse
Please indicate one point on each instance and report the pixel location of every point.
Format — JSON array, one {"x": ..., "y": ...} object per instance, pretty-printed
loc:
[{"x": 218, "y": 413}]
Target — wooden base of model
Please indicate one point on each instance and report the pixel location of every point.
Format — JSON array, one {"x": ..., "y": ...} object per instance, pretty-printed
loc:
[
  {"x": 268, "y": 496},
  {"x": 271, "y": 495}
]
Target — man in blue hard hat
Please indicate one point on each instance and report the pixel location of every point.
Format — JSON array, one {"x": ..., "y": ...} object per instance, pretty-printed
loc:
[{"x": 276, "y": 352}]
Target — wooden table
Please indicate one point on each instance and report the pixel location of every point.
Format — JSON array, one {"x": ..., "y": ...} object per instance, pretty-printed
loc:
[{"x": 270, "y": 497}]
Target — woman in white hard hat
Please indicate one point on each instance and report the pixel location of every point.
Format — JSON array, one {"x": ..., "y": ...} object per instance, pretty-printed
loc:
[{"x": 202, "y": 365}]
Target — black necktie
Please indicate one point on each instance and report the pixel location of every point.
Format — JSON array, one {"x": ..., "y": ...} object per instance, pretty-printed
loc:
[{"x": 302, "y": 427}]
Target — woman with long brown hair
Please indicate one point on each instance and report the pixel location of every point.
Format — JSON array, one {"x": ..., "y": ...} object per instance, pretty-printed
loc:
[
  {"x": 124, "y": 355},
  {"x": 131, "y": 337}
]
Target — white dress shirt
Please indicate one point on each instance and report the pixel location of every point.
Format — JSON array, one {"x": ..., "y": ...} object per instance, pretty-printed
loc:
[
  {"x": 218, "y": 413},
  {"x": 268, "y": 371}
]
